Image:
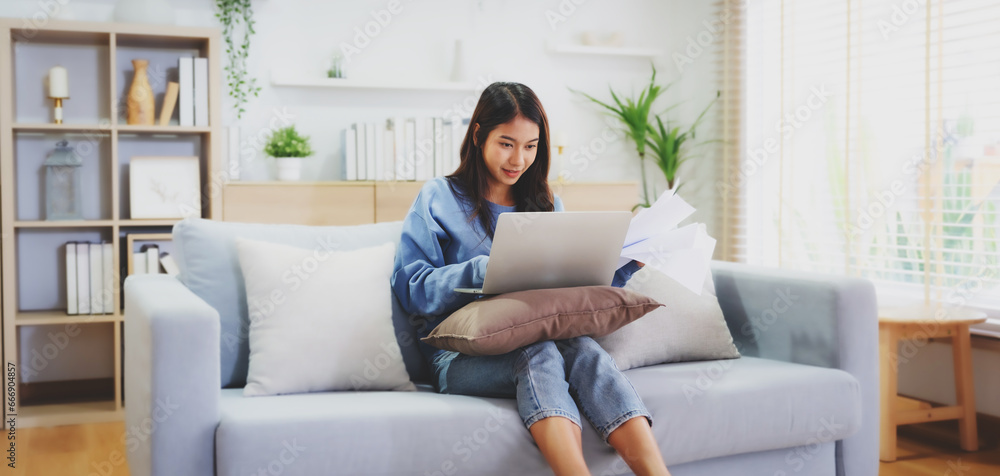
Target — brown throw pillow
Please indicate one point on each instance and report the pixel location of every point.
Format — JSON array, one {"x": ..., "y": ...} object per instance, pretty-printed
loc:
[{"x": 502, "y": 323}]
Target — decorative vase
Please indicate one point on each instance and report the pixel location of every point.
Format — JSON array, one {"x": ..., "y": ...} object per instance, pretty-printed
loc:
[
  {"x": 289, "y": 168},
  {"x": 458, "y": 63},
  {"x": 140, "y": 103},
  {"x": 144, "y": 11}
]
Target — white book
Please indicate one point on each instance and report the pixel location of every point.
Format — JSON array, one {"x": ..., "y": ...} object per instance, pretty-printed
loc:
[
  {"x": 201, "y": 91},
  {"x": 398, "y": 140},
  {"x": 370, "y": 151},
  {"x": 169, "y": 265},
  {"x": 71, "y": 299},
  {"x": 83, "y": 278},
  {"x": 446, "y": 154},
  {"x": 362, "y": 152},
  {"x": 410, "y": 150},
  {"x": 458, "y": 131},
  {"x": 139, "y": 262},
  {"x": 108, "y": 293},
  {"x": 389, "y": 159},
  {"x": 351, "y": 153},
  {"x": 185, "y": 80},
  {"x": 428, "y": 148},
  {"x": 379, "y": 151},
  {"x": 153, "y": 260},
  {"x": 423, "y": 149},
  {"x": 96, "y": 279},
  {"x": 438, "y": 147}
]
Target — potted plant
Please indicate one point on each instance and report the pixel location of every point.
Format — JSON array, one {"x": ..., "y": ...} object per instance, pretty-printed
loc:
[
  {"x": 288, "y": 147},
  {"x": 665, "y": 143}
]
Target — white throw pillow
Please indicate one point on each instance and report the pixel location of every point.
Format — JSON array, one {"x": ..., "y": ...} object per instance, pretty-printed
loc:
[
  {"x": 688, "y": 327},
  {"x": 320, "y": 320}
]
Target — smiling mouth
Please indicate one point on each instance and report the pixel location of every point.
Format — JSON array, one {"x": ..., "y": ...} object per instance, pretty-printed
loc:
[{"x": 511, "y": 173}]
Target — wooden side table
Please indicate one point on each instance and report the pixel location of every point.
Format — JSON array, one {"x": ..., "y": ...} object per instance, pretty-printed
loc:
[{"x": 920, "y": 324}]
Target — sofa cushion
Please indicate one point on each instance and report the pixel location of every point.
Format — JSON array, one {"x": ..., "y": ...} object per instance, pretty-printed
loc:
[
  {"x": 205, "y": 252},
  {"x": 689, "y": 327},
  {"x": 320, "y": 321},
  {"x": 700, "y": 410},
  {"x": 500, "y": 324}
]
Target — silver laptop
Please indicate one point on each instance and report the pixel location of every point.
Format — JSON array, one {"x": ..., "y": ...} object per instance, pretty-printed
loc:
[{"x": 541, "y": 250}]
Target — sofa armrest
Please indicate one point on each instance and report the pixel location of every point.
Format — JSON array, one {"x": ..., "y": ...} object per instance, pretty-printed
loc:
[
  {"x": 172, "y": 387},
  {"x": 814, "y": 319}
]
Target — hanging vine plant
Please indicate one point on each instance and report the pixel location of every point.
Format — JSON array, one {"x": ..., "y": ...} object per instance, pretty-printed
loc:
[{"x": 231, "y": 14}]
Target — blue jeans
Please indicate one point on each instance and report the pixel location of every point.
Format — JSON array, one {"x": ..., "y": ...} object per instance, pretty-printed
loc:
[{"x": 548, "y": 379}]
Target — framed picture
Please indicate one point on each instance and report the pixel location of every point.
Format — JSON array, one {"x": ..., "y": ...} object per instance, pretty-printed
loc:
[{"x": 164, "y": 187}]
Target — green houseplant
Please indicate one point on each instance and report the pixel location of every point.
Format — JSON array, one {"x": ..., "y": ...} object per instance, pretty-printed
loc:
[
  {"x": 633, "y": 113},
  {"x": 231, "y": 14},
  {"x": 288, "y": 147},
  {"x": 666, "y": 144}
]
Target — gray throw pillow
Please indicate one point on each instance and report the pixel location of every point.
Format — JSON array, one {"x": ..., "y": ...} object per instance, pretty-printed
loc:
[{"x": 688, "y": 327}]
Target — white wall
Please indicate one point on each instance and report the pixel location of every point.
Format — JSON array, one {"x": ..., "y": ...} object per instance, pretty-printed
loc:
[{"x": 503, "y": 40}]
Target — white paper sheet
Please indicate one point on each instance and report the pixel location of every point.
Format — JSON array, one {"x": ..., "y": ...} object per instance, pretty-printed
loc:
[{"x": 682, "y": 253}]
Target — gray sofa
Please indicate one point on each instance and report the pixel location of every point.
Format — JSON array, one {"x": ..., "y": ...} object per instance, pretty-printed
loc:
[{"x": 801, "y": 401}]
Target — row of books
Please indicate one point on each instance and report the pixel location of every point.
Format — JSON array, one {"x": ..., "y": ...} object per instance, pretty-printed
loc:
[
  {"x": 90, "y": 278},
  {"x": 149, "y": 260},
  {"x": 402, "y": 149},
  {"x": 192, "y": 76}
]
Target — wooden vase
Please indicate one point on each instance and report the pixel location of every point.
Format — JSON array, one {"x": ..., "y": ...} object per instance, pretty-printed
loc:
[{"x": 140, "y": 103}]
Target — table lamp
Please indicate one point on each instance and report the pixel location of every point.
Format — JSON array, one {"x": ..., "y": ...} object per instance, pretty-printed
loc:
[{"x": 58, "y": 90}]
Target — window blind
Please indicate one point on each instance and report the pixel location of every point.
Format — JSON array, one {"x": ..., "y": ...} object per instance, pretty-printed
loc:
[{"x": 870, "y": 144}]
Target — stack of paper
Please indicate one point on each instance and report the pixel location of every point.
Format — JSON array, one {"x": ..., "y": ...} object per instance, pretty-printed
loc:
[{"x": 683, "y": 253}]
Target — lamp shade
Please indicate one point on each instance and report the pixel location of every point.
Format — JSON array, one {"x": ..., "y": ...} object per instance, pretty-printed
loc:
[
  {"x": 58, "y": 83},
  {"x": 559, "y": 138}
]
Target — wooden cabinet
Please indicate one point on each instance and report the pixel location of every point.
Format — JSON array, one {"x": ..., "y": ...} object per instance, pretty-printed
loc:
[{"x": 356, "y": 203}]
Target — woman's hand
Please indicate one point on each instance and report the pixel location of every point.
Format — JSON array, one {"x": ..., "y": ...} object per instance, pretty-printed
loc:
[{"x": 640, "y": 263}]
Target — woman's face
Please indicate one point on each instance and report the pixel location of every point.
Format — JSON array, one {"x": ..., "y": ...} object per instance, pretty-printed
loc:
[{"x": 509, "y": 151}]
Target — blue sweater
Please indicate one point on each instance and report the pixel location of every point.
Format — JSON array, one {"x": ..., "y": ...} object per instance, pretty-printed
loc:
[{"x": 440, "y": 250}]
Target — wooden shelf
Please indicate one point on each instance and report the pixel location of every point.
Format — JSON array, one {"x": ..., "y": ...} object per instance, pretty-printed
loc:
[
  {"x": 102, "y": 52},
  {"x": 94, "y": 223},
  {"x": 59, "y": 316},
  {"x": 284, "y": 79},
  {"x": 571, "y": 49},
  {"x": 62, "y": 223},
  {"x": 68, "y": 414},
  {"x": 44, "y": 127},
  {"x": 149, "y": 222},
  {"x": 172, "y": 130}
]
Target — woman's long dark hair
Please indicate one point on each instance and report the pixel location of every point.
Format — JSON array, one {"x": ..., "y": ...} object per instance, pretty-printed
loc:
[{"x": 500, "y": 103}]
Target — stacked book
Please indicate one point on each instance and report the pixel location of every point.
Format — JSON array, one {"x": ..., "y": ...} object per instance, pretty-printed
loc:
[
  {"x": 149, "y": 260},
  {"x": 402, "y": 149},
  {"x": 192, "y": 76},
  {"x": 90, "y": 278}
]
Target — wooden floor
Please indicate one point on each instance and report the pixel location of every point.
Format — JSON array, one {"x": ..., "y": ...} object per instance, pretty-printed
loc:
[
  {"x": 932, "y": 449},
  {"x": 929, "y": 449}
]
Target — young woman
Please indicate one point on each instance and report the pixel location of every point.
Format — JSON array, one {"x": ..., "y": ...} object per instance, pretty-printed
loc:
[{"x": 445, "y": 244}]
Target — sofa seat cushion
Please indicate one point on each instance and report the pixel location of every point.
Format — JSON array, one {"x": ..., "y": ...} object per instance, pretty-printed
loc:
[
  {"x": 700, "y": 410},
  {"x": 372, "y": 433},
  {"x": 723, "y": 407}
]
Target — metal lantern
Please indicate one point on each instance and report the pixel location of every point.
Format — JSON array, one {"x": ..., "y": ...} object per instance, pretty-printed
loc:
[{"x": 63, "y": 184}]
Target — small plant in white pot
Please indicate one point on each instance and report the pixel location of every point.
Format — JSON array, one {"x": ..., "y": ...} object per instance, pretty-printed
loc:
[{"x": 288, "y": 148}]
